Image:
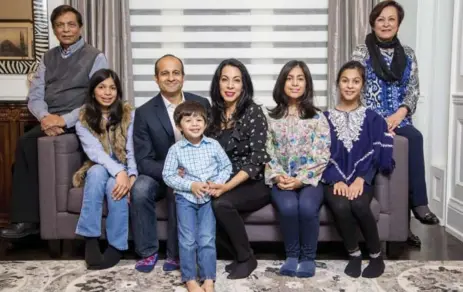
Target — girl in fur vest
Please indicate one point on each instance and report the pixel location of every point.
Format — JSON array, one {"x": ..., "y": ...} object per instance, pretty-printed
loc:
[{"x": 105, "y": 130}]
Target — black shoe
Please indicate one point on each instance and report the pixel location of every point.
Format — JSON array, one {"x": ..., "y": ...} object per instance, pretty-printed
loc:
[
  {"x": 230, "y": 267},
  {"x": 243, "y": 269},
  {"x": 413, "y": 240},
  {"x": 19, "y": 230},
  {"x": 429, "y": 218}
]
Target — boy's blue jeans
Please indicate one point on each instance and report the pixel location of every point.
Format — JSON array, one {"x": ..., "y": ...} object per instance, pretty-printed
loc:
[
  {"x": 98, "y": 184},
  {"x": 196, "y": 239}
]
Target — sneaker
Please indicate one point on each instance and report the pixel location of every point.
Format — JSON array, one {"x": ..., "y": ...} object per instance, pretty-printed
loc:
[
  {"x": 171, "y": 265},
  {"x": 146, "y": 265}
]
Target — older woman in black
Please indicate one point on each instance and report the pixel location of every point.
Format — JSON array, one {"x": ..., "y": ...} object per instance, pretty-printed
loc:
[{"x": 241, "y": 128}]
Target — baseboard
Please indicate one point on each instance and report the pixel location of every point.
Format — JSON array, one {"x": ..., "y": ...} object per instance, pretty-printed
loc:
[
  {"x": 454, "y": 232},
  {"x": 454, "y": 224}
]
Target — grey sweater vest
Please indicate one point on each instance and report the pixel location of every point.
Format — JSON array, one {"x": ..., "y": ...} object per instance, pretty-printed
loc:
[{"x": 67, "y": 80}]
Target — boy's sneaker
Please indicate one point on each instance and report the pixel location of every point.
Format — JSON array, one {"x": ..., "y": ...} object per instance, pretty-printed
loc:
[
  {"x": 171, "y": 265},
  {"x": 146, "y": 265}
]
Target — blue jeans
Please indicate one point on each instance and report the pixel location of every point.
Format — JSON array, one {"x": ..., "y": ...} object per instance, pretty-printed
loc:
[
  {"x": 99, "y": 183},
  {"x": 299, "y": 220},
  {"x": 196, "y": 234},
  {"x": 145, "y": 192}
]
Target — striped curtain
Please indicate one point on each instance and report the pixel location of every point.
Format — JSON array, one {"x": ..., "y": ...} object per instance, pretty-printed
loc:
[
  {"x": 262, "y": 34},
  {"x": 349, "y": 25},
  {"x": 106, "y": 27}
]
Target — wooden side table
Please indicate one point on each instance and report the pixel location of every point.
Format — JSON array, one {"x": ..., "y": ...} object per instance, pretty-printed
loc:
[{"x": 15, "y": 119}]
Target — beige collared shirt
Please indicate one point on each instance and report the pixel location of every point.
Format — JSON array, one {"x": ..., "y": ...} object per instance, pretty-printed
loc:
[{"x": 170, "y": 111}]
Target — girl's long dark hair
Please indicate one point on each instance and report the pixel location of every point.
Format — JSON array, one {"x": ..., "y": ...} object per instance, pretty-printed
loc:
[
  {"x": 93, "y": 113},
  {"x": 218, "y": 104},
  {"x": 306, "y": 107}
]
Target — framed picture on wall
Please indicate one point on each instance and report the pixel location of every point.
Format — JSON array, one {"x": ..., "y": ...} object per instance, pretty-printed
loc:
[
  {"x": 23, "y": 35},
  {"x": 16, "y": 41}
]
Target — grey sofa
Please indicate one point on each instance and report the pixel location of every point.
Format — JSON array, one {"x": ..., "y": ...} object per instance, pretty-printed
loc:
[{"x": 60, "y": 204}]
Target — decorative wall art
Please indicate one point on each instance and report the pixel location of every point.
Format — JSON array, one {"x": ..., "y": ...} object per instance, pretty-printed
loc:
[{"x": 23, "y": 35}]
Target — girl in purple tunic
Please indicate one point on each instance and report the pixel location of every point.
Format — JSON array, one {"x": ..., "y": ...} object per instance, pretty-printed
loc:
[{"x": 361, "y": 146}]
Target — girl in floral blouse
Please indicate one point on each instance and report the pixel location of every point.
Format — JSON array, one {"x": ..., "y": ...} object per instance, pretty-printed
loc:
[{"x": 298, "y": 143}]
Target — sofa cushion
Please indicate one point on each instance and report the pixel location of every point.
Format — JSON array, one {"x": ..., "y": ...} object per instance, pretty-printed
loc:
[
  {"x": 269, "y": 215},
  {"x": 265, "y": 215},
  {"x": 75, "y": 197},
  {"x": 161, "y": 209}
]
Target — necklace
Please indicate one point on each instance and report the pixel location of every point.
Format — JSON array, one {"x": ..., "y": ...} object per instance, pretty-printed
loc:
[{"x": 228, "y": 117}]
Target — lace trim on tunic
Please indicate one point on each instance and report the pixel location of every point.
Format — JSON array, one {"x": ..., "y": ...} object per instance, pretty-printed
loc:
[{"x": 348, "y": 125}]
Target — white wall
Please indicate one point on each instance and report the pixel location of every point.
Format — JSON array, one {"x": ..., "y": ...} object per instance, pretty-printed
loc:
[
  {"x": 440, "y": 102},
  {"x": 434, "y": 39},
  {"x": 14, "y": 87},
  {"x": 455, "y": 166},
  {"x": 407, "y": 32},
  {"x": 427, "y": 28},
  {"x": 459, "y": 46},
  {"x": 439, "y": 49},
  {"x": 438, "y": 35}
]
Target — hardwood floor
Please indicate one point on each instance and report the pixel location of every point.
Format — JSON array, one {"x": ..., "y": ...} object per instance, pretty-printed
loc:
[{"x": 436, "y": 245}]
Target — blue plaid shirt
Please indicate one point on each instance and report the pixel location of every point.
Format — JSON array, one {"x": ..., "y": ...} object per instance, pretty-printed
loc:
[{"x": 202, "y": 163}]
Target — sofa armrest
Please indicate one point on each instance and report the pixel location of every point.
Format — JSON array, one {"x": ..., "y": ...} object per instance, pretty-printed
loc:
[
  {"x": 59, "y": 157},
  {"x": 392, "y": 192}
]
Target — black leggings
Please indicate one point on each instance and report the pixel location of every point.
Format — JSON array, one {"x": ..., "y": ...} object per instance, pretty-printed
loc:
[
  {"x": 249, "y": 196},
  {"x": 350, "y": 214}
]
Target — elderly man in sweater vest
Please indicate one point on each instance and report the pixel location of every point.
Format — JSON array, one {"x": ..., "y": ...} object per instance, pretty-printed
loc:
[{"x": 57, "y": 92}]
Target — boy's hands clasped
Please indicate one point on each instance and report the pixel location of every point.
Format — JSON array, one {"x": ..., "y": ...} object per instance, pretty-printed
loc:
[{"x": 200, "y": 189}]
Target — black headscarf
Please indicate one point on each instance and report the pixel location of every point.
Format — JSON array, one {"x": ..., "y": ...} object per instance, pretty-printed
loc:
[{"x": 399, "y": 60}]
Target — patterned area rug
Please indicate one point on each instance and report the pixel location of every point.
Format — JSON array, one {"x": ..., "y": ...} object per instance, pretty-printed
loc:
[{"x": 71, "y": 276}]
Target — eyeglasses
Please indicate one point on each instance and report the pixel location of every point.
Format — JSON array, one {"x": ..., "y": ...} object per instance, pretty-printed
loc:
[{"x": 61, "y": 25}]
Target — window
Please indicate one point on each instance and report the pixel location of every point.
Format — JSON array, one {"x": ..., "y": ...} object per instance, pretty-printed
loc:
[{"x": 262, "y": 34}]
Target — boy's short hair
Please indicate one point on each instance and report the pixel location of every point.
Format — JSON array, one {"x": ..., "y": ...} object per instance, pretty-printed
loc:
[{"x": 187, "y": 109}]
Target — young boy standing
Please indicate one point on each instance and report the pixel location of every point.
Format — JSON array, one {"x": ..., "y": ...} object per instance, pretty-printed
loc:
[{"x": 203, "y": 160}]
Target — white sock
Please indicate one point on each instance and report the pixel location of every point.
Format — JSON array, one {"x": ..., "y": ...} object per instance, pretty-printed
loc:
[
  {"x": 375, "y": 255},
  {"x": 356, "y": 253}
]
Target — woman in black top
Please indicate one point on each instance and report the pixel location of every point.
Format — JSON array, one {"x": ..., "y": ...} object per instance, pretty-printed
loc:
[{"x": 241, "y": 128}]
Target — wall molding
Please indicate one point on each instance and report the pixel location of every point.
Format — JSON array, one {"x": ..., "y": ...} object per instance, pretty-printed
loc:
[
  {"x": 438, "y": 179},
  {"x": 457, "y": 98},
  {"x": 453, "y": 231},
  {"x": 454, "y": 216},
  {"x": 456, "y": 205},
  {"x": 437, "y": 190},
  {"x": 454, "y": 208}
]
